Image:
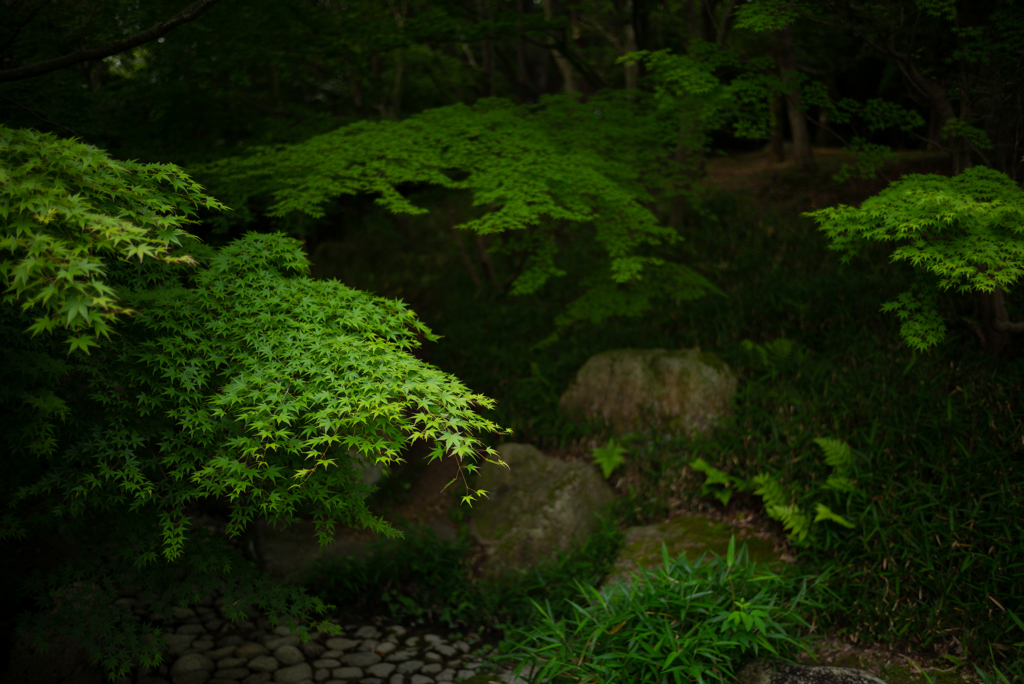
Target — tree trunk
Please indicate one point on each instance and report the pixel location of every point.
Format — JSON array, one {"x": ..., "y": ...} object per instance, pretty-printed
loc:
[
  {"x": 693, "y": 19},
  {"x": 564, "y": 67},
  {"x": 396, "y": 89},
  {"x": 939, "y": 102},
  {"x": 522, "y": 76},
  {"x": 629, "y": 30},
  {"x": 994, "y": 326},
  {"x": 488, "y": 48},
  {"x": 786, "y": 59},
  {"x": 933, "y": 130},
  {"x": 778, "y": 130}
]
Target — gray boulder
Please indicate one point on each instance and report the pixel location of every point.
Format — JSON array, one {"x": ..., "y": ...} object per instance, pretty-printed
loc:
[
  {"x": 536, "y": 507},
  {"x": 761, "y": 671},
  {"x": 669, "y": 391},
  {"x": 689, "y": 535}
]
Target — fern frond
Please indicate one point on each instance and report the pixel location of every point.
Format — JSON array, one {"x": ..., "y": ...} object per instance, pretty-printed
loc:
[
  {"x": 839, "y": 483},
  {"x": 824, "y": 513},
  {"x": 770, "y": 490},
  {"x": 837, "y": 453},
  {"x": 792, "y": 518}
]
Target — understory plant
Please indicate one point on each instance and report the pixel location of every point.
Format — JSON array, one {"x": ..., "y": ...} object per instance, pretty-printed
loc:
[{"x": 681, "y": 623}]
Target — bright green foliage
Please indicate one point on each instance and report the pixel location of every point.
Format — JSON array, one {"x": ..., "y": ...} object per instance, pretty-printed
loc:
[
  {"x": 693, "y": 86},
  {"x": 534, "y": 170},
  {"x": 776, "y": 499},
  {"x": 840, "y": 457},
  {"x": 65, "y": 205},
  {"x": 252, "y": 383},
  {"x": 767, "y": 15},
  {"x": 609, "y": 457},
  {"x": 241, "y": 379},
  {"x": 713, "y": 476},
  {"x": 966, "y": 230}
]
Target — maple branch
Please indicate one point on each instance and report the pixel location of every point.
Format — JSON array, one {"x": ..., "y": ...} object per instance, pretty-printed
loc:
[{"x": 161, "y": 29}]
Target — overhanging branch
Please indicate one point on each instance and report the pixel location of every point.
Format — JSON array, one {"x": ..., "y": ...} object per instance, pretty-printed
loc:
[{"x": 161, "y": 29}]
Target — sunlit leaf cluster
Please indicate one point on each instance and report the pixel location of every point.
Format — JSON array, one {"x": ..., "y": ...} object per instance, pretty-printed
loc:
[
  {"x": 964, "y": 232},
  {"x": 64, "y": 208}
]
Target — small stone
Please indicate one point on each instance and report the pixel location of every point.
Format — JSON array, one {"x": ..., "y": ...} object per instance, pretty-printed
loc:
[
  {"x": 347, "y": 673},
  {"x": 368, "y": 645},
  {"x": 410, "y": 666},
  {"x": 433, "y": 668},
  {"x": 289, "y": 655},
  {"x": 399, "y": 656},
  {"x": 312, "y": 649},
  {"x": 222, "y": 652},
  {"x": 321, "y": 675},
  {"x": 433, "y": 639},
  {"x": 446, "y": 675},
  {"x": 192, "y": 663},
  {"x": 412, "y": 642},
  {"x": 257, "y": 678},
  {"x": 178, "y": 643},
  {"x": 214, "y": 624},
  {"x": 462, "y": 646},
  {"x": 445, "y": 650},
  {"x": 251, "y": 651},
  {"x": 263, "y": 664},
  {"x": 274, "y": 643},
  {"x": 367, "y": 632},
  {"x": 397, "y": 630},
  {"x": 327, "y": 662},
  {"x": 232, "y": 640},
  {"x": 283, "y": 630},
  {"x": 381, "y": 669},
  {"x": 420, "y": 679},
  {"x": 233, "y": 673},
  {"x": 340, "y": 644},
  {"x": 202, "y": 645},
  {"x": 464, "y": 674},
  {"x": 226, "y": 663},
  {"x": 360, "y": 659},
  {"x": 432, "y": 657},
  {"x": 294, "y": 674},
  {"x": 182, "y": 613},
  {"x": 384, "y": 647},
  {"x": 397, "y": 679}
]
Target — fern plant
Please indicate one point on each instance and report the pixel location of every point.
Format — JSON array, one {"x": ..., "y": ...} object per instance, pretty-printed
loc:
[{"x": 777, "y": 500}]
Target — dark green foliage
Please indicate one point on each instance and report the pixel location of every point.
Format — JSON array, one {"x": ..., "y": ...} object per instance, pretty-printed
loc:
[
  {"x": 967, "y": 230},
  {"x": 241, "y": 380},
  {"x": 541, "y": 173},
  {"x": 64, "y": 205}
]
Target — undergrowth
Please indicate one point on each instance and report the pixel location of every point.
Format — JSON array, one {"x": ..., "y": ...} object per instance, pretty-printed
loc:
[{"x": 933, "y": 560}]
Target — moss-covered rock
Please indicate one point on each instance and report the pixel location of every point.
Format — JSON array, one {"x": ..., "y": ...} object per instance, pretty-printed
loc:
[
  {"x": 534, "y": 508},
  {"x": 669, "y": 391}
]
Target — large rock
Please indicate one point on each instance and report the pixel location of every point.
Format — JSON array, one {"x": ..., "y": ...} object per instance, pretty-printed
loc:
[
  {"x": 290, "y": 552},
  {"x": 688, "y": 535},
  {"x": 761, "y": 671},
  {"x": 536, "y": 507},
  {"x": 669, "y": 391}
]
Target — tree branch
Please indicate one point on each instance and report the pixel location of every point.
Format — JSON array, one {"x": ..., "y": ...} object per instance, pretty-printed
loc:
[
  {"x": 161, "y": 29},
  {"x": 41, "y": 118}
]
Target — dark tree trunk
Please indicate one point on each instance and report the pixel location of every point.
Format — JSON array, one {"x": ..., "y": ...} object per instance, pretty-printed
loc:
[
  {"x": 786, "y": 59},
  {"x": 778, "y": 130}
]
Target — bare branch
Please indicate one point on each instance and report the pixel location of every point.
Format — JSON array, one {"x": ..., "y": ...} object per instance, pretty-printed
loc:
[
  {"x": 161, "y": 29},
  {"x": 40, "y": 117}
]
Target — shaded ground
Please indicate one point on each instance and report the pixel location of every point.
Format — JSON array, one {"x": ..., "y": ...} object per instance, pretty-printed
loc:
[{"x": 783, "y": 187}]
